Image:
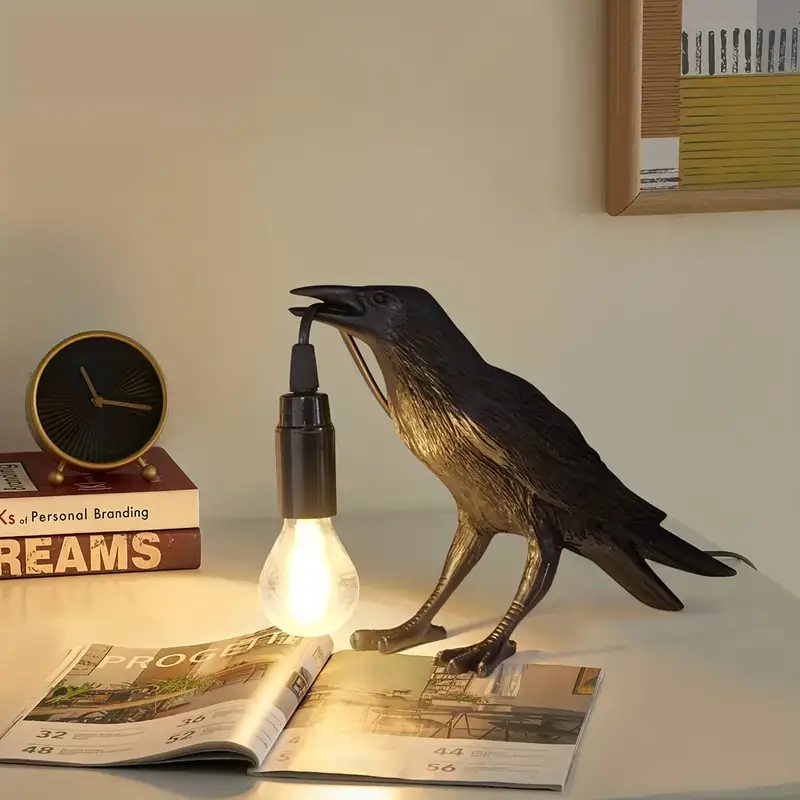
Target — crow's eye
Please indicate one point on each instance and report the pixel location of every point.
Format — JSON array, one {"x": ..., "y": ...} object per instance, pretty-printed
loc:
[{"x": 379, "y": 298}]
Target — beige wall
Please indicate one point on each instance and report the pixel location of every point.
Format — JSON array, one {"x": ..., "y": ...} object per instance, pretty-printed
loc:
[{"x": 175, "y": 167}]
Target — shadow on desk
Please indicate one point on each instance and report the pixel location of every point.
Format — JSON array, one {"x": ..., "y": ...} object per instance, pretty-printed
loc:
[
  {"x": 786, "y": 791},
  {"x": 199, "y": 779}
]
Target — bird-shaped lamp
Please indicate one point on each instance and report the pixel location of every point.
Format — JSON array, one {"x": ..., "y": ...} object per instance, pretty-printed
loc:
[{"x": 513, "y": 462}]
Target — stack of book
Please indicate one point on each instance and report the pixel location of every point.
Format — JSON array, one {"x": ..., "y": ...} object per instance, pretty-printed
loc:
[{"x": 95, "y": 523}]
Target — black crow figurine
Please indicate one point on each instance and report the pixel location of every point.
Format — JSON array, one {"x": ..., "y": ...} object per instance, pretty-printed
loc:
[{"x": 513, "y": 462}]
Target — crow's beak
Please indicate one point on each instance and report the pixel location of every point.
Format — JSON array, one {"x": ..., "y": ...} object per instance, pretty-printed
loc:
[{"x": 340, "y": 304}]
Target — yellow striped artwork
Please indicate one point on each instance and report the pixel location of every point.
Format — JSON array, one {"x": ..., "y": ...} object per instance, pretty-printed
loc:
[{"x": 740, "y": 131}]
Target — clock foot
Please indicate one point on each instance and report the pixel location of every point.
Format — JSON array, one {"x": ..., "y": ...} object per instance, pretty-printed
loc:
[
  {"x": 56, "y": 477},
  {"x": 149, "y": 472}
]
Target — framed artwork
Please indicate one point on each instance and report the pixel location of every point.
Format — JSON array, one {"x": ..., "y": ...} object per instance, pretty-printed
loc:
[
  {"x": 586, "y": 682},
  {"x": 703, "y": 106}
]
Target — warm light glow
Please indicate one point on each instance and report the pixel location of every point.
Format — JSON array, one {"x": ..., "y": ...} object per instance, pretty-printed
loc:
[{"x": 309, "y": 586}]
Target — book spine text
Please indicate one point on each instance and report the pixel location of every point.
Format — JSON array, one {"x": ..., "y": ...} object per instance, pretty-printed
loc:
[
  {"x": 113, "y": 513},
  {"x": 99, "y": 553}
]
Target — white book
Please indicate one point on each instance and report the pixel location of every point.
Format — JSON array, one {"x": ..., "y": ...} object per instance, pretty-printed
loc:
[{"x": 116, "y": 501}]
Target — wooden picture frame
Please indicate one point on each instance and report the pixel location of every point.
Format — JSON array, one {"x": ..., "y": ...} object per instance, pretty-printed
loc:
[{"x": 688, "y": 97}]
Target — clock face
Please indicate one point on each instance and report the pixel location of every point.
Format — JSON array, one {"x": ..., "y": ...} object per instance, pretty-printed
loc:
[{"x": 100, "y": 400}]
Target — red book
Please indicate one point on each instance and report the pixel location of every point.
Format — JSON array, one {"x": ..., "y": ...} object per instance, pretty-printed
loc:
[
  {"x": 99, "y": 553},
  {"x": 117, "y": 501}
]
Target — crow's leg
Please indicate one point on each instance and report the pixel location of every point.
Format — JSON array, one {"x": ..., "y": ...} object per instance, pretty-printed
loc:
[
  {"x": 468, "y": 545},
  {"x": 483, "y": 657}
]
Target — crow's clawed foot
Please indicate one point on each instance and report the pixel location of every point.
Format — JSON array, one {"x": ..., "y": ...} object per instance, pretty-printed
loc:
[
  {"x": 481, "y": 658},
  {"x": 392, "y": 640}
]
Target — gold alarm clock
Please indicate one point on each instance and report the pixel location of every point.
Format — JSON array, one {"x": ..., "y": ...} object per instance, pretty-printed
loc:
[{"x": 97, "y": 401}]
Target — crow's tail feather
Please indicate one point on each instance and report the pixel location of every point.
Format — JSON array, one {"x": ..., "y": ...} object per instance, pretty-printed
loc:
[
  {"x": 666, "y": 548},
  {"x": 633, "y": 574}
]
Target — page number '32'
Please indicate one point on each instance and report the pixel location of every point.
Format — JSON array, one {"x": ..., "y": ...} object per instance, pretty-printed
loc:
[{"x": 48, "y": 734}]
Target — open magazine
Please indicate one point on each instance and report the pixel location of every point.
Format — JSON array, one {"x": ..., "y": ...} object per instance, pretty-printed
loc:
[{"x": 289, "y": 706}]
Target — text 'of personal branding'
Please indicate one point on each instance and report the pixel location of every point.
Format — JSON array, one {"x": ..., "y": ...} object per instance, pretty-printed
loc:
[{"x": 38, "y": 517}]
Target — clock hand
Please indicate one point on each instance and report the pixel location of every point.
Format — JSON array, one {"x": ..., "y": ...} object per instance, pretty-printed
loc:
[
  {"x": 89, "y": 382},
  {"x": 123, "y": 404}
]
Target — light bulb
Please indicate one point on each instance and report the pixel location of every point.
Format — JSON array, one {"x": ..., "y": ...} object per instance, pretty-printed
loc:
[{"x": 309, "y": 586}]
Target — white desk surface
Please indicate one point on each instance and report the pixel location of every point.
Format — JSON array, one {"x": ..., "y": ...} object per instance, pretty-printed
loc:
[{"x": 704, "y": 703}]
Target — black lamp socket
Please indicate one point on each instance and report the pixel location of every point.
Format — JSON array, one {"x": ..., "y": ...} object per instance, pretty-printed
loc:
[{"x": 305, "y": 449}]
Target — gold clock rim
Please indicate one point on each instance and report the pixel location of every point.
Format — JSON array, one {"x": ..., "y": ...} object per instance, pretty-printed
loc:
[{"x": 44, "y": 441}]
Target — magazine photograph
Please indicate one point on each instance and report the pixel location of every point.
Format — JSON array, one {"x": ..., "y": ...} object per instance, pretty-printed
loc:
[
  {"x": 112, "y": 705},
  {"x": 287, "y": 706},
  {"x": 116, "y": 685}
]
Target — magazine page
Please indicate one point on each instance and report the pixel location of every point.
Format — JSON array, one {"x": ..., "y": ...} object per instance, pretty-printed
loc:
[
  {"x": 399, "y": 717},
  {"x": 116, "y": 705}
]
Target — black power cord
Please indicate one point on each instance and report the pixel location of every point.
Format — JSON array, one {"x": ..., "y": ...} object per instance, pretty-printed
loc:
[
  {"x": 365, "y": 371},
  {"x": 303, "y": 376},
  {"x": 730, "y": 554},
  {"x": 369, "y": 378}
]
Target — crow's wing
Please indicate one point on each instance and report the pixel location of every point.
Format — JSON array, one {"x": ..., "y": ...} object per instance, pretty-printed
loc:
[{"x": 514, "y": 425}]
